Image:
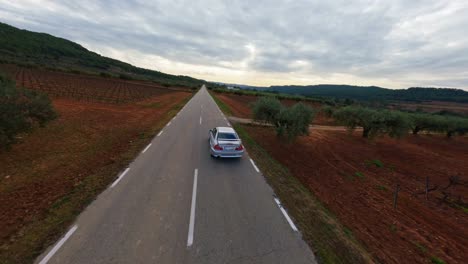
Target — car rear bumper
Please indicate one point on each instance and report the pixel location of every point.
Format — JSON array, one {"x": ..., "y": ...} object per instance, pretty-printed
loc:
[{"x": 225, "y": 154}]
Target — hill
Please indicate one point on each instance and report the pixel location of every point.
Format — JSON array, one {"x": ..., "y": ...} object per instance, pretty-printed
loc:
[
  {"x": 34, "y": 49},
  {"x": 375, "y": 93}
]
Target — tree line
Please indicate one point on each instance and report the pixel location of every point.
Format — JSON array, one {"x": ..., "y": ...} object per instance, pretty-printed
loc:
[
  {"x": 294, "y": 121},
  {"x": 396, "y": 123}
]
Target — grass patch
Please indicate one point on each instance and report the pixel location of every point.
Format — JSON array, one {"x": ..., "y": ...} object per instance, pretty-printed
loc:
[
  {"x": 421, "y": 247},
  {"x": 393, "y": 228},
  {"x": 224, "y": 107},
  {"x": 377, "y": 163},
  {"x": 461, "y": 207},
  {"x": 330, "y": 241},
  {"x": 34, "y": 238},
  {"x": 359, "y": 174},
  {"x": 348, "y": 232},
  {"x": 437, "y": 260},
  {"x": 382, "y": 188}
]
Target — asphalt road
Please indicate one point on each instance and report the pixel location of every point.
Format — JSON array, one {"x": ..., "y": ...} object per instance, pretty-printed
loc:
[{"x": 176, "y": 204}]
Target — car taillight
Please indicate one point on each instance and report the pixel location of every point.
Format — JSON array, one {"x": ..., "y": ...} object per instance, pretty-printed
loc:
[
  {"x": 218, "y": 147},
  {"x": 240, "y": 147}
]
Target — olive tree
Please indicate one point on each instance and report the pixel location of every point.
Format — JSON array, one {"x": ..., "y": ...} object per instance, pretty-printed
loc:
[
  {"x": 294, "y": 121},
  {"x": 289, "y": 122},
  {"x": 422, "y": 121},
  {"x": 452, "y": 125},
  {"x": 266, "y": 109},
  {"x": 373, "y": 122},
  {"x": 356, "y": 116},
  {"x": 396, "y": 123},
  {"x": 327, "y": 110}
]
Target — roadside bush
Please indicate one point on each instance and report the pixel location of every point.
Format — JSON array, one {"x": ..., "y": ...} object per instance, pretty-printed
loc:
[
  {"x": 21, "y": 110},
  {"x": 289, "y": 122}
]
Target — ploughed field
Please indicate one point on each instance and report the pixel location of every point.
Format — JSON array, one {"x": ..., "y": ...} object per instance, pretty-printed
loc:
[
  {"x": 54, "y": 171},
  {"x": 356, "y": 179},
  {"x": 84, "y": 87}
]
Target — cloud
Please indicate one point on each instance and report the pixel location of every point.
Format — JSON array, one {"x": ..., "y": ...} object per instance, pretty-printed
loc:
[{"x": 368, "y": 42}]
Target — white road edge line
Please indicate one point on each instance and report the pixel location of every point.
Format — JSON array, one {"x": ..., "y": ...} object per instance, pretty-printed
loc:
[
  {"x": 120, "y": 177},
  {"x": 293, "y": 226},
  {"x": 200, "y": 120},
  {"x": 168, "y": 124},
  {"x": 59, "y": 245},
  {"x": 255, "y": 166},
  {"x": 147, "y": 147},
  {"x": 160, "y": 133},
  {"x": 192, "y": 209}
]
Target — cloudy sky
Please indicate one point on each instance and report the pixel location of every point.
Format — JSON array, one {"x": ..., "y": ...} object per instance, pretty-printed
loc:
[{"x": 394, "y": 44}]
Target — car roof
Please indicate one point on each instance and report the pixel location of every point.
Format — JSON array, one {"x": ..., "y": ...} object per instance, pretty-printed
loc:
[{"x": 225, "y": 129}]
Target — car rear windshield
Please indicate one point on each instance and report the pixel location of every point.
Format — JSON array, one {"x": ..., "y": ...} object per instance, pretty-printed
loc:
[{"x": 227, "y": 136}]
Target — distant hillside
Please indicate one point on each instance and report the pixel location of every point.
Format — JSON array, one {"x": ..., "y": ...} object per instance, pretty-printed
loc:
[
  {"x": 43, "y": 50},
  {"x": 367, "y": 93}
]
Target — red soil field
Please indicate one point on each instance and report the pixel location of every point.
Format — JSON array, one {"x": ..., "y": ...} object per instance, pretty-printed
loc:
[
  {"x": 51, "y": 161},
  {"x": 335, "y": 166},
  {"x": 84, "y": 87},
  {"x": 240, "y": 106}
]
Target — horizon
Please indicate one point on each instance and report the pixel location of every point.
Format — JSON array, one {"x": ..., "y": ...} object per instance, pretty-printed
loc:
[{"x": 391, "y": 45}]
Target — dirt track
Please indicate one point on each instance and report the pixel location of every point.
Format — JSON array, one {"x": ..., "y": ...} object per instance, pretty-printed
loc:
[{"x": 312, "y": 127}]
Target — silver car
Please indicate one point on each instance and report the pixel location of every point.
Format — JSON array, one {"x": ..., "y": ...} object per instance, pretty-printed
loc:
[{"x": 225, "y": 143}]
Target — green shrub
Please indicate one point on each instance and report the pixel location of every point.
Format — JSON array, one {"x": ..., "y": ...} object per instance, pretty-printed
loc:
[{"x": 20, "y": 110}]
